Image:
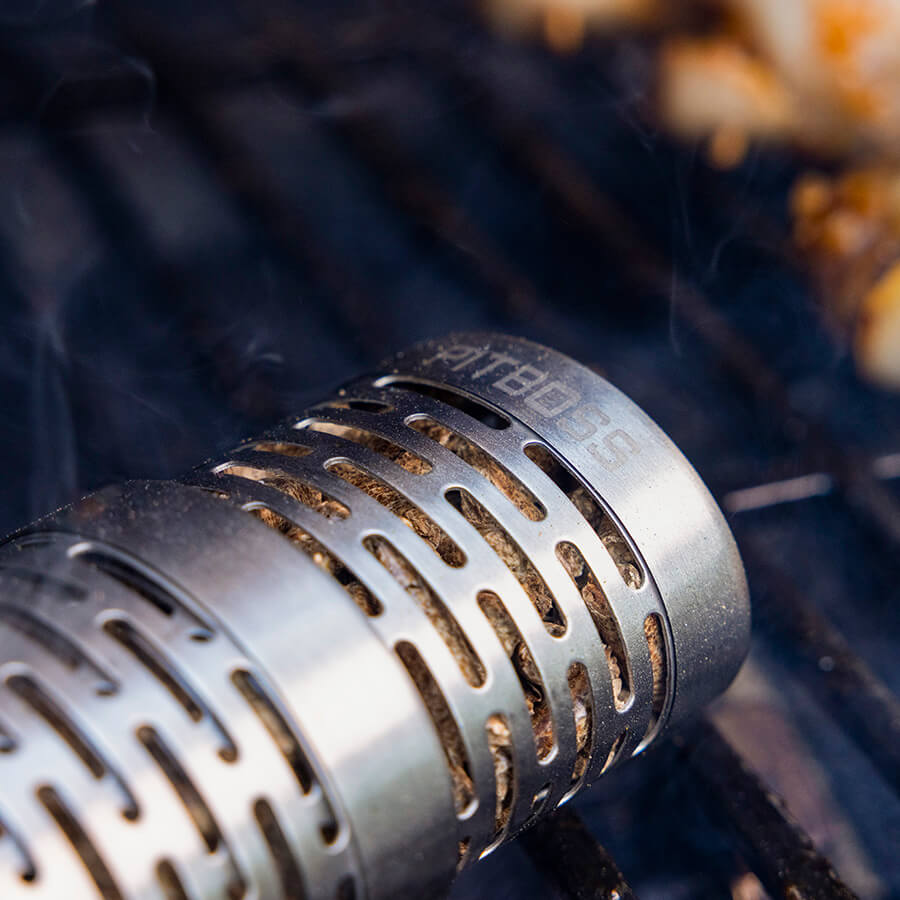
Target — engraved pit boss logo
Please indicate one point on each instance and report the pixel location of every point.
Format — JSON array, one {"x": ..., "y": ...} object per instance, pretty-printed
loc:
[{"x": 583, "y": 422}]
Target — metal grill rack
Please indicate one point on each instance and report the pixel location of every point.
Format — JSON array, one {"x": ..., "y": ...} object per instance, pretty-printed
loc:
[{"x": 237, "y": 199}]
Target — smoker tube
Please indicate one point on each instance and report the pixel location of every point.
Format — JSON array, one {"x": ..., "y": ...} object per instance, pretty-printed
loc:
[{"x": 362, "y": 651}]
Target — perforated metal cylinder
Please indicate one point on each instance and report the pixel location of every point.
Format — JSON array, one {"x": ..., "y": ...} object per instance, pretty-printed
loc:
[{"x": 362, "y": 651}]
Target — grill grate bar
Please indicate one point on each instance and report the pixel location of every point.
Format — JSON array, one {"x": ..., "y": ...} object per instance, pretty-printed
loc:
[
  {"x": 867, "y": 710},
  {"x": 779, "y": 852},
  {"x": 568, "y": 856},
  {"x": 167, "y": 284},
  {"x": 260, "y": 198},
  {"x": 407, "y": 186},
  {"x": 292, "y": 58}
]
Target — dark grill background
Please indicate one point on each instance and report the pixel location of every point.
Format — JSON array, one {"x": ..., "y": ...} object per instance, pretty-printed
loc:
[{"x": 209, "y": 212}]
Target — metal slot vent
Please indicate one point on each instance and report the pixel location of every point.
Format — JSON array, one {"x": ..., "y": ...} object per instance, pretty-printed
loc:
[
  {"x": 452, "y": 743},
  {"x": 481, "y": 412},
  {"x": 306, "y": 494},
  {"x": 322, "y": 557},
  {"x": 653, "y": 631},
  {"x": 407, "y": 512},
  {"x": 38, "y": 629},
  {"x": 580, "y": 495},
  {"x": 512, "y": 556},
  {"x": 583, "y": 712},
  {"x": 143, "y": 586},
  {"x": 197, "y": 807},
  {"x": 36, "y": 696},
  {"x": 474, "y": 456},
  {"x": 431, "y": 604},
  {"x": 283, "y": 858},
  {"x": 526, "y": 669},
  {"x": 604, "y": 620},
  {"x": 404, "y": 458},
  {"x": 284, "y": 448},
  {"x": 99, "y": 872}
]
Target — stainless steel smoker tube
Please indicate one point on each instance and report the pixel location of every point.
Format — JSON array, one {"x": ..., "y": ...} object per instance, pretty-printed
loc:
[{"x": 358, "y": 653}]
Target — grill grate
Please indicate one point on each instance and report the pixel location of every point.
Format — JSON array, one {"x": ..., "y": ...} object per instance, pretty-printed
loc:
[{"x": 507, "y": 188}]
